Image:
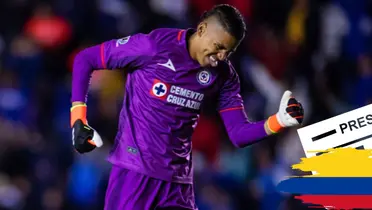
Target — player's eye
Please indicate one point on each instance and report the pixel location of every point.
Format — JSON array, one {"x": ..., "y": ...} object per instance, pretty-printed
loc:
[{"x": 219, "y": 46}]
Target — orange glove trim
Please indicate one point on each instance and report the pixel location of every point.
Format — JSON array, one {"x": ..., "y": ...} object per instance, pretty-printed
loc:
[
  {"x": 78, "y": 112},
  {"x": 273, "y": 124}
]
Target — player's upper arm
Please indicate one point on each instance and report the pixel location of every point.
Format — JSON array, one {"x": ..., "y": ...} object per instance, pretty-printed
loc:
[
  {"x": 128, "y": 52},
  {"x": 229, "y": 96}
]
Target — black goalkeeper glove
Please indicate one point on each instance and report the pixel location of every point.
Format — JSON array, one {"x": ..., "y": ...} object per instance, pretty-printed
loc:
[{"x": 84, "y": 137}]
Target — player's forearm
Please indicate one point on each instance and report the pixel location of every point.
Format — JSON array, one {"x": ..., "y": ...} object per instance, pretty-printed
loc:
[
  {"x": 241, "y": 131},
  {"x": 85, "y": 63}
]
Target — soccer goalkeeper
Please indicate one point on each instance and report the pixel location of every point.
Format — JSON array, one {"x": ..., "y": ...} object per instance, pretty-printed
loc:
[{"x": 171, "y": 73}]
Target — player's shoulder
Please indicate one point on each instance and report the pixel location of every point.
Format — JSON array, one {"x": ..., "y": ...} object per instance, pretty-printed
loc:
[
  {"x": 165, "y": 35},
  {"x": 137, "y": 42},
  {"x": 152, "y": 40},
  {"x": 227, "y": 70}
]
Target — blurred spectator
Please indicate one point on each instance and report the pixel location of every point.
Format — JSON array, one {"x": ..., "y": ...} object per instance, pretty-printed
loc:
[
  {"x": 207, "y": 137},
  {"x": 47, "y": 29},
  {"x": 244, "y": 6},
  {"x": 271, "y": 50},
  {"x": 360, "y": 94},
  {"x": 296, "y": 24},
  {"x": 269, "y": 175},
  {"x": 116, "y": 17},
  {"x": 26, "y": 60},
  {"x": 13, "y": 101}
]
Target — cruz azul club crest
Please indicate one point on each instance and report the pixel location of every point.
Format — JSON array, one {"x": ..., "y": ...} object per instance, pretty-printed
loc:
[{"x": 204, "y": 77}]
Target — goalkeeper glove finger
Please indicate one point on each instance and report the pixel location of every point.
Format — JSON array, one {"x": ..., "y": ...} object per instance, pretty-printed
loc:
[
  {"x": 291, "y": 113},
  {"x": 84, "y": 137}
]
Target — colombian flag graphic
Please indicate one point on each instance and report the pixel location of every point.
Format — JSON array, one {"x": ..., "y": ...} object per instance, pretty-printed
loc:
[{"x": 342, "y": 179}]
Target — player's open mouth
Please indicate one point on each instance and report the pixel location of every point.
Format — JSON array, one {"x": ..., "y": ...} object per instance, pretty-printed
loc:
[{"x": 213, "y": 60}]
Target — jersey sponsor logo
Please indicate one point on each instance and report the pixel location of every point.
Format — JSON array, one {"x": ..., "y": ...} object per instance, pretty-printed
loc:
[
  {"x": 122, "y": 41},
  {"x": 203, "y": 77},
  {"x": 159, "y": 89},
  {"x": 177, "y": 95}
]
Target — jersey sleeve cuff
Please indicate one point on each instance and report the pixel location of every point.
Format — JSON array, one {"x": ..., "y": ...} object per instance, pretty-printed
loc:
[
  {"x": 102, "y": 52},
  {"x": 231, "y": 109}
]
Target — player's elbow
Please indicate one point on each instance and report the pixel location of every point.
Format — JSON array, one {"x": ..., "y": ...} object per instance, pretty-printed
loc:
[
  {"x": 237, "y": 141},
  {"x": 240, "y": 139},
  {"x": 237, "y": 145},
  {"x": 82, "y": 56},
  {"x": 89, "y": 58}
]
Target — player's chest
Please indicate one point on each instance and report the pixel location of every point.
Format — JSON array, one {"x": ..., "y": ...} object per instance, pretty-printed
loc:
[
  {"x": 180, "y": 85},
  {"x": 178, "y": 75}
]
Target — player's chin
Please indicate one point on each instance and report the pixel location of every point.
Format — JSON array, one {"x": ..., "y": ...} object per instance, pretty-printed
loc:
[{"x": 205, "y": 62}]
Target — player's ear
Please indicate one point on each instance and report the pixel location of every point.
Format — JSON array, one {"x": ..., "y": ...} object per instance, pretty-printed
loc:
[{"x": 202, "y": 28}]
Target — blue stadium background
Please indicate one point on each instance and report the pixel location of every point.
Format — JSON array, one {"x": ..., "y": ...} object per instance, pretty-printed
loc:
[{"x": 320, "y": 49}]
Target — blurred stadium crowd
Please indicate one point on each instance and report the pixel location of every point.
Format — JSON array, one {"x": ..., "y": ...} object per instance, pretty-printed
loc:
[{"x": 320, "y": 49}]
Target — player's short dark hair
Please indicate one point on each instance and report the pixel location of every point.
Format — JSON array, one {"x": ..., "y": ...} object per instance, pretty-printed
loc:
[{"x": 230, "y": 18}]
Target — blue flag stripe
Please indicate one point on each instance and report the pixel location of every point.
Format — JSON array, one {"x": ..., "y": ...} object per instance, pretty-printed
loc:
[{"x": 327, "y": 186}]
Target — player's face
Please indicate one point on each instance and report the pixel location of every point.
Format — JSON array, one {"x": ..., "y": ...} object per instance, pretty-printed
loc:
[{"x": 215, "y": 44}]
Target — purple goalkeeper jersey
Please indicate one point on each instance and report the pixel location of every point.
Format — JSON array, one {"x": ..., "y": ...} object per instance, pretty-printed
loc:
[{"x": 164, "y": 93}]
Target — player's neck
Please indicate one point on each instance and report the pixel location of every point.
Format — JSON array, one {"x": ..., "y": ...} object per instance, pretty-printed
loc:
[{"x": 191, "y": 44}]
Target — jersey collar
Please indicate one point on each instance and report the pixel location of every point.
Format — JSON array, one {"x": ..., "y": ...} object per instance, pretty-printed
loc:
[{"x": 181, "y": 37}]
